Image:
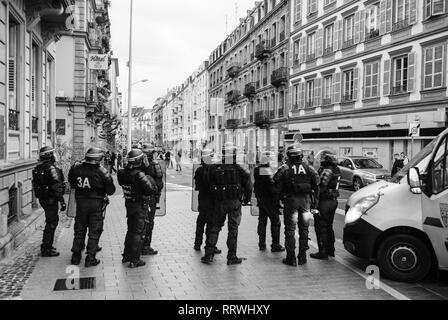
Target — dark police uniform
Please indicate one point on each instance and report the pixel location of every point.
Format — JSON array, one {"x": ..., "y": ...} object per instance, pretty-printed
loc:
[
  {"x": 92, "y": 183},
  {"x": 138, "y": 191},
  {"x": 330, "y": 175},
  {"x": 205, "y": 202},
  {"x": 268, "y": 204},
  {"x": 297, "y": 184},
  {"x": 49, "y": 188},
  {"x": 230, "y": 187}
]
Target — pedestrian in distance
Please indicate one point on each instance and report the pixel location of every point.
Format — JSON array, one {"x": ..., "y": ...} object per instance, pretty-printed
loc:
[
  {"x": 167, "y": 159},
  {"x": 113, "y": 159},
  {"x": 49, "y": 188},
  {"x": 297, "y": 185},
  {"x": 268, "y": 204},
  {"x": 398, "y": 164},
  {"x": 93, "y": 184},
  {"x": 178, "y": 161},
  {"x": 205, "y": 201},
  {"x": 231, "y": 187},
  {"x": 138, "y": 190},
  {"x": 330, "y": 176},
  {"x": 119, "y": 161}
]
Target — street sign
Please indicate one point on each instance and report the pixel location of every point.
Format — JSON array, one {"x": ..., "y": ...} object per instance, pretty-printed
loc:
[
  {"x": 414, "y": 129},
  {"x": 298, "y": 138},
  {"x": 98, "y": 62}
]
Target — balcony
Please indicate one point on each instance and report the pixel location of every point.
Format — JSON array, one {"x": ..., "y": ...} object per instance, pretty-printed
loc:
[
  {"x": 348, "y": 43},
  {"x": 232, "y": 124},
  {"x": 262, "y": 51},
  {"x": 249, "y": 90},
  {"x": 402, "y": 24},
  {"x": 372, "y": 34},
  {"x": 232, "y": 97},
  {"x": 261, "y": 119},
  {"x": 13, "y": 120},
  {"x": 233, "y": 69},
  {"x": 279, "y": 77}
]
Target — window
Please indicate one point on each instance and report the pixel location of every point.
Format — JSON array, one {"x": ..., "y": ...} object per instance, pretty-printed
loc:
[
  {"x": 13, "y": 74},
  {"x": 400, "y": 75},
  {"x": 328, "y": 2},
  {"x": 349, "y": 27},
  {"x": 298, "y": 10},
  {"x": 296, "y": 52},
  {"x": 309, "y": 99},
  {"x": 34, "y": 88},
  {"x": 401, "y": 11},
  {"x": 373, "y": 20},
  {"x": 345, "y": 151},
  {"x": 328, "y": 90},
  {"x": 60, "y": 127},
  {"x": 311, "y": 46},
  {"x": 312, "y": 6},
  {"x": 433, "y": 66},
  {"x": 328, "y": 38},
  {"x": 296, "y": 97},
  {"x": 348, "y": 85},
  {"x": 371, "y": 79},
  {"x": 439, "y": 171},
  {"x": 434, "y": 8}
]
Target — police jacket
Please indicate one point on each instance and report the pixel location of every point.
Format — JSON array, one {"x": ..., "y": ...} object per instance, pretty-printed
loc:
[
  {"x": 330, "y": 175},
  {"x": 137, "y": 187},
  {"x": 91, "y": 181},
  {"x": 230, "y": 182},
  {"x": 297, "y": 179},
  {"x": 201, "y": 181},
  {"x": 154, "y": 169},
  {"x": 48, "y": 181},
  {"x": 263, "y": 181}
]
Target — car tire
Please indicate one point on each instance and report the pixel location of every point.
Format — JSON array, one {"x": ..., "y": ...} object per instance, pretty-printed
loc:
[
  {"x": 357, "y": 184},
  {"x": 404, "y": 258}
]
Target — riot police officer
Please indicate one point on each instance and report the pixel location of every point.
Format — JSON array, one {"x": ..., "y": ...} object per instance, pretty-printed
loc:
[
  {"x": 49, "y": 188},
  {"x": 92, "y": 183},
  {"x": 231, "y": 187},
  {"x": 205, "y": 201},
  {"x": 138, "y": 190},
  {"x": 268, "y": 204},
  {"x": 154, "y": 170},
  {"x": 330, "y": 175},
  {"x": 297, "y": 183}
]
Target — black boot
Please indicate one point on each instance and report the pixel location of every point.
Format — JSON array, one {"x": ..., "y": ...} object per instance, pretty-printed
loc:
[
  {"x": 262, "y": 246},
  {"x": 137, "y": 264},
  {"x": 321, "y": 255},
  {"x": 125, "y": 259},
  {"x": 148, "y": 251},
  {"x": 50, "y": 253},
  {"x": 234, "y": 260},
  {"x": 76, "y": 258},
  {"x": 290, "y": 262},
  {"x": 277, "y": 248},
  {"x": 91, "y": 261},
  {"x": 301, "y": 258},
  {"x": 197, "y": 247},
  {"x": 207, "y": 259},
  {"x": 217, "y": 251}
]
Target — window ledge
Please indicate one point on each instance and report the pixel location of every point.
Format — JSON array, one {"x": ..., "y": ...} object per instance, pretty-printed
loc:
[
  {"x": 403, "y": 94},
  {"x": 373, "y": 39},
  {"x": 312, "y": 14},
  {"x": 372, "y": 99},
  {"x": 434, "y": 18},
  {"x": 434, "y": 90},
  {"x": 349, "y": 47},
  {"x": 347, "y": 102},
  {"x": 327, "y": 55},
  {"x": 409, "y": 27}
]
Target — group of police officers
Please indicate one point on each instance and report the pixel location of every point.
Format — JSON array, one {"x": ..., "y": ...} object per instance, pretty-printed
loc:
[{"x": 223, "y": 188}]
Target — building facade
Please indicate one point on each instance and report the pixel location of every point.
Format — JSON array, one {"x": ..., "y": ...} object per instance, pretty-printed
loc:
[
  {"x": 28, "y": 33},
  {"x": 364, "y": 70}
]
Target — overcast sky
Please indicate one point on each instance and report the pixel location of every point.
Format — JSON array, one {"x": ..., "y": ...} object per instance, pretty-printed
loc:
[{"x": 171, "y": 39}]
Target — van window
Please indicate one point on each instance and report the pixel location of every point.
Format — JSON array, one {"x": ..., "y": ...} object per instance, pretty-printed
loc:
[{"x": 439, "y": 172}]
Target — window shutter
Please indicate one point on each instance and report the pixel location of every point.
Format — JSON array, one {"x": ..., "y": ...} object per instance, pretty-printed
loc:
[
  {"x": 362, "y": 26},
  {"x": 298, "y": 10},
  {"x": 383, "y": 16},
  {"x": 389, "y": 15},
  {"x": 412, "y": 12},
  {"x": 319, "y": 92},
  {"x": 336, "y": 36},
  {"x": 357, "y": 30},
  {"x": 355, "y": 83},
  {"x": 320, "y": 42},
  {"x": 301, "y": 95},
  {"x": 365, "y": 74},
  {"x": 303, "y": 50},
  {"x": 340, "y": 30},
  {"x": 411, "y": 72},
  {"x": 337, "y": 88},
  {"x": 12, "y": 83},
  {"x": 313, "y": 5},
  {"x": 386, "y": 79}
]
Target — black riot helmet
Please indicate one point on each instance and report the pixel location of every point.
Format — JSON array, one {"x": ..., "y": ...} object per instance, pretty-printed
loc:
[
  {"x": 328, "y": 157},
  {"x": 294, "y": 153},
  {"x": 207, "y": 156},
  {"x": 135, "y": 158},
  {"x": 94, "y": 155},
  {"x": 47, "y": 154}
]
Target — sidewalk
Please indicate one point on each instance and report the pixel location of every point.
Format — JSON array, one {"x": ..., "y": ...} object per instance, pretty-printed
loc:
[{"x": 177, "y": 273}]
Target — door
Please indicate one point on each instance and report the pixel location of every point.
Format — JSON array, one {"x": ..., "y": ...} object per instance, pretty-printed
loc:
[{"x": 435, "y": 201}]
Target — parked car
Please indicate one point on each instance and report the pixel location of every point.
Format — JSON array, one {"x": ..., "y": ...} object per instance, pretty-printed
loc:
[{"x": 358, "y": 172}]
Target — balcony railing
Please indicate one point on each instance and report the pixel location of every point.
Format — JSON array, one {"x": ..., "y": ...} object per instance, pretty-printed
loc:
[
  {"x": 348, "y": 43},
  {"x": 400, "y": 89},
  {"x": 282, "y": 36},
  {"x": 233, "y": 69},
  {"x": 371, "y": 34},
  {"x": 328, "y": 50},
  {"x": 326, "y": 101},
  {"x": 14, "y": 120},
  {"x": 402, "y": 24},
  {"x": 232, "y": 96},
  {"x": 34, "y": 124},
  {"x": 279, "y": 77},
  {"x": 261, "y": 119},
  {"x": 262, "y": 51},
  {"x": 250, "y": 89},
  {"x": 232, "y": 124}
]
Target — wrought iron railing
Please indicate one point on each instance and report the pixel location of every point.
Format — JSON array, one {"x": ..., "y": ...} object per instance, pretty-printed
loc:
[
  {"x": 249, "y": 89},
  {"x": 13, "y": 117},
  {"x": 279, "y": 76}
]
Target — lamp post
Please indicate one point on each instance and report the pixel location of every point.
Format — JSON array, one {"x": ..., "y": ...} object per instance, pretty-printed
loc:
[{"x": 130, "y": 81}]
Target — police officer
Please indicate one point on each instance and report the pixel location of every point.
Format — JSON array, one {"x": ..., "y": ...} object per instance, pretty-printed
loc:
[
  {"x": 205, "y": 200},
  {"x": 297, "y": 183},
  {"x": 330, "y": 175},
  {"x": 92, "y": 183},
  {"x": 154, "y": 170},
  {"x": 138, "y": 190},
  {"x": 231, "y": 187},
  {"x": 49, "y": 188},
  {"x": 268, "y": 204}
]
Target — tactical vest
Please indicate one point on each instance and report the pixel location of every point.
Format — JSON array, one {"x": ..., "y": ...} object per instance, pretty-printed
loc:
[
  {"x": 43, "y": 181},
  {"x": 299, "y": 179},
  {"x": 329, "y": 176},
  {"x": 128, "y": 181},
  {"x": 88, "y": 181},
  {"x": 225, "y": 182}
]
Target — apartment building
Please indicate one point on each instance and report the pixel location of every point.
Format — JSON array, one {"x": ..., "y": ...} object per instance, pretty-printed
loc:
[
  {"x": 157, "y": 116},
  {"x": 28, "y": 33},
  {"x": 249, "y": 72},
  {"x": 362, "y": 71}
]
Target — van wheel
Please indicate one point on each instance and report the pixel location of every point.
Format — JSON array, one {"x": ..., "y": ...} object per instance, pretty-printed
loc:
[
  {"x": 404, "y": 258},
  {"x": 357, "y": 184}
]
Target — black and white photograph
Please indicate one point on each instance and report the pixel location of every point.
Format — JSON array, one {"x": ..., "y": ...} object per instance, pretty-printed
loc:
[{"x": 223, "y": 156}]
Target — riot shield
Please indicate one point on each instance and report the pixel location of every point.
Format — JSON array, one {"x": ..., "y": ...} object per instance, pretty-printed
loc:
[
  {"x": 71, "y": 204},
  {"x": 194, "y": 193},
  {"x": 161, "y": 206}
]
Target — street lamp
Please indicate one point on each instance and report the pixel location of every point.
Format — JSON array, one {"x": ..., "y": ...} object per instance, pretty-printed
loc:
[{"x": 130, "y": 80}]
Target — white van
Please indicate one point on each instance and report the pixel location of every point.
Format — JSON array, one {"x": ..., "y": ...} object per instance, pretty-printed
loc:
[{"x": 402, "y": 225}]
